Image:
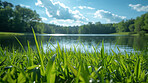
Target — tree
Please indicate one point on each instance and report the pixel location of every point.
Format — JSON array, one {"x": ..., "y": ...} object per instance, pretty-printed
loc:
[
  {"x": 6, "y": 15},
  {"x": 5, "y": 4},
  {"x": 39, "y": 27},
  {"x": 121, "y": 27},
  {"x": 139, "y": 22},
  {"x": 26, "y": 17},
  {"x": 131, "y": 28},
  {"x": 145, "y": 27}
]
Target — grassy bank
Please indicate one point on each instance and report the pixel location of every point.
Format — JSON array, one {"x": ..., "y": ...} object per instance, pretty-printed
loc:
[
  {"x": 121, "y": 33},
  {"x": 128, "y": 33},
  {"x": 11, "y": 33},
  {"x": 67, "y": 66},
  {"x": 71, "y": 66}
]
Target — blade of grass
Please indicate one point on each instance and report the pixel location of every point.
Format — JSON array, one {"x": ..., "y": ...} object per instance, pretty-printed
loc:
[
  {"x": 75, "y": 72},
  {"x": 41, "y": 57},
  {"x": 20, "y": 43},
  {"x": 50, "y": 72}
]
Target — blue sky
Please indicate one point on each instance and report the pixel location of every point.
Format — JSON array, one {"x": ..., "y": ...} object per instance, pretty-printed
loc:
[{"x": 79, "y": 12}]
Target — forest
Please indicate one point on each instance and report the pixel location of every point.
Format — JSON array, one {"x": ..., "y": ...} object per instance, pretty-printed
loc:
[{"x": 22, "y": 20}]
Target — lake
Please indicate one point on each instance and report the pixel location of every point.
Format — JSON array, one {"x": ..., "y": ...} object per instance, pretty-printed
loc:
[{"x": 83, "y": 42}]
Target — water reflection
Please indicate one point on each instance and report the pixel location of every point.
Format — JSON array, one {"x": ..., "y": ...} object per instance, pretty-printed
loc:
[{"x": 125, "y": 43}]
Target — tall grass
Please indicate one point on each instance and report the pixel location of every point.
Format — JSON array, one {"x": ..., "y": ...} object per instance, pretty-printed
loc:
[{"x": 67, "y": 66}]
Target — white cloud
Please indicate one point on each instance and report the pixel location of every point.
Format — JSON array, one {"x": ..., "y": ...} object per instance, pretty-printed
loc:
[
  {"x": 67, "y": 22},
  {"x": 59, "y": 11},
  {"x": 44, "y": 19},
  {"x": 139, "y": 7},
  {"x": 24, "y": 5},
  {"x": 47, "y": 13},
  {"x": 83, "y": 7},
  {"x": 39, "y": 3},
  {"x": 90, "y": 8},
  {"x": 108, "y": 16}
]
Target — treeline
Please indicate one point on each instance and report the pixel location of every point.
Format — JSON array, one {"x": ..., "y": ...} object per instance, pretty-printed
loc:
[
  {"x": 140, "y": 24},
  {"x": 21, "y": 19},
  {"x": 18, "y": 19}
]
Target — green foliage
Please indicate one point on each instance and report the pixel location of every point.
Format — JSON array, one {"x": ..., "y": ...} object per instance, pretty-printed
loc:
[
  {"x": 121, "y": 27},
  {"x": 145, "y": 27},
  {"x": 21, "y": 19},
  {"x": 138, "y": 24},
  {"x": 18, "y": 19},
  {"x": 131, "y": 28},
  {"x": 142, "y": 33}
]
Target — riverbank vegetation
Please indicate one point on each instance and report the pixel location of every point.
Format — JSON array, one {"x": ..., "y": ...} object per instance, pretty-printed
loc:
[
  {"x": 131, "y": 34},
  {"x": 11, "y": 33},
  {"x": 65, "y": 65},
  {"x": 21, "y": 19}
]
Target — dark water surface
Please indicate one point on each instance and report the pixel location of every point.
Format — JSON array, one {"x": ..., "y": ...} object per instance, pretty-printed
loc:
[{"x": 80, "y": 41}]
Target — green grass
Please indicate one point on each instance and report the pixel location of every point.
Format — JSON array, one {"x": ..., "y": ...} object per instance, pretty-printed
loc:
[
  {"x": 11, "y": 33},
  {"x": 122, "y": 33},
  {"x": 67, "y": 66},
  {"x": 138, "y": 34},
  {"x": 128, "y": 33}
]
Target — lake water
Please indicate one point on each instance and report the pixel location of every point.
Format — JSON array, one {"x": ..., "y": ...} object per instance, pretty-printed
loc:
[{"x": 83, "y": 42}]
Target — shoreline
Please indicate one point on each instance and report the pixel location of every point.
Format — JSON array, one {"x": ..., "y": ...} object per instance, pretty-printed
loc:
[
  {"x": 15, "y": 33},
  {"x": 128, "y": 33}
]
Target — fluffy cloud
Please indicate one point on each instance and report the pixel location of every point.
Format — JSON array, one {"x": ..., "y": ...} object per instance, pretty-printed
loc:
[
  {"x": 83, "y": 7},
  {"x": 108, "y": 16},
  {"x": 139, "y": 7},
  {"x": 24, "y": 5},
  {"x": 44, "y": 19},
  {"x": 39, "y": 3},
  {"x": 67, "y": 22},
  {"x": 58, "y": 10}
]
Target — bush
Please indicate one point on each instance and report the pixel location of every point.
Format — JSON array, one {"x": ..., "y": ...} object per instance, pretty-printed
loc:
[
  {"x": 142, "y": 33},
  {"x": 130, "y": 33}
]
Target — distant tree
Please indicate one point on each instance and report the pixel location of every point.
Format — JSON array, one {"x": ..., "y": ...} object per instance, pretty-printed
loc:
[
  {"x": 6, "y": 15},
  {"x": 26, "y": 18},
  {"x": 145, "y": 27},
  {"x": 139, "y": 23},
  {"x": 127, "y": 24},
  {"x": 39, "y": 27},
  {"x": 131, "y": 28},
  {"x": 5, "y": 4},
  {"x": 121, "y": 27},
  {"x": 0, "y": 4}
]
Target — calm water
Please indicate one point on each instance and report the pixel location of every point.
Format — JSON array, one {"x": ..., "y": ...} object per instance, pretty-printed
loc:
[{"x": 125, "y": 43}]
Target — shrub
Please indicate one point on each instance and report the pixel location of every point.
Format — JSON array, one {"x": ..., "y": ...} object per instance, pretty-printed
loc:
[{"x": 142, "y": 33}]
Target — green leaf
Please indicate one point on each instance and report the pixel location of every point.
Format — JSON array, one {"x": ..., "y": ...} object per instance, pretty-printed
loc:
[
  {"x": 75, "y": 72},
  {"x": 20, "y": 43},
  {"x": 21, "y": 78},
  {"x": 137, "y": 70},
  {"x": 32, "y": 67},
  {"x": 102, "y": 50},
  {"x": 41, "y": 57},
  {"x": 77, "y": 78},
  {"x": 51, "y": 70}
]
